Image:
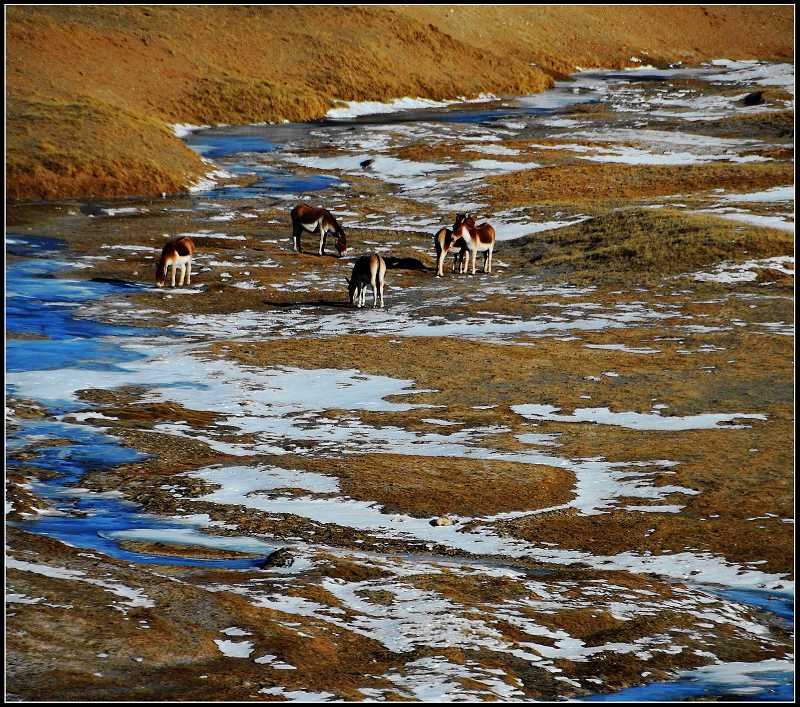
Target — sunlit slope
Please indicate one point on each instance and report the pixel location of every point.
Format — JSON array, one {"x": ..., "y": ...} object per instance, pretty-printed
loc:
[{"x": 91, "y": 90}]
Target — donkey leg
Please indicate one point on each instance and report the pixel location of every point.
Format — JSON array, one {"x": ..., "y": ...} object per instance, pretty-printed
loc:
[
  {"x": 189, "y": 272},
  {"x": 474, "y": 258},
  {"x": 297, "y": 229},
  {"x": 174, "y": 267},
  {"x": 323, "y": 234},
  {"x": 183, "y": 275}
]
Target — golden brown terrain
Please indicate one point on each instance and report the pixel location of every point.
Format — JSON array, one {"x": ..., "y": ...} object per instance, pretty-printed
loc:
[{"x": 91, "y": 91}]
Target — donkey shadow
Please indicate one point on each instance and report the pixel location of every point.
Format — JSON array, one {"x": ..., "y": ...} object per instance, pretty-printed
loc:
[{"x": 339, "y": 304}]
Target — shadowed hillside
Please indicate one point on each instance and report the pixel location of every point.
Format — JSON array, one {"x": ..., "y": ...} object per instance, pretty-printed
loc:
[{"x": 91, "y": 91}]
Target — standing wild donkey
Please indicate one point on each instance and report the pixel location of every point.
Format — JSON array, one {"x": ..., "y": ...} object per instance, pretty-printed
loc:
[
  {"x": 178, "y": 253},
  {"x": 477, "y": 238},
  {"x": 368, "y": 270},
  {"x": 443, "y": 241},
  {"x": 310, "y": 218}
]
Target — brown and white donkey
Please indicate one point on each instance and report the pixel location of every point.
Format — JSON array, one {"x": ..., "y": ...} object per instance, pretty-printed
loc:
[
  {"x": 477, "y": 239},
  {"x": 368, "y": 270},
  {"x": 176, "y": 253},
  {"x": 443, "y": 242},
  {"x": 310, "y": 218}
]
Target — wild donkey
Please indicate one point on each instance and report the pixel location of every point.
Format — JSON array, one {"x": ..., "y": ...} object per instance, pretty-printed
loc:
[
  {"x": 310, "y": 218},
  {"x": 368, "y": 270},
  {"x": 178, "y": 253},
  {"x": 477, "y": 238},
  {"x": 443, "y": 241}
]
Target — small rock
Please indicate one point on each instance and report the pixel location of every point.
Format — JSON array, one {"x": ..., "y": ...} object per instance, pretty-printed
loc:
[
  {"x": 279, "y": 558},
  {"x": 366, "y": 163},
  {"x": 442, "y": 520},
  {"x": 756, "y": 98}
]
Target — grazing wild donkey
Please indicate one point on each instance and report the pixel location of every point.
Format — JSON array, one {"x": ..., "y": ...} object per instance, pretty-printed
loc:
[
  {"x": 310, "y": 218},
  {"x": 477, "y": 239},
  {"x": 443, "y": 241},
  {"x": 178, "y": 253},
  {"x": 368, "y": 270}
]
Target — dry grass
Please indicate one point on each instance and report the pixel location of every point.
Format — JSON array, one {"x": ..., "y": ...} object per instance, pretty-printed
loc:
[
  {"x": 118, "y": 153},
  {"x": 592, "y": 184},
  {"x": 630, "y": 244}
]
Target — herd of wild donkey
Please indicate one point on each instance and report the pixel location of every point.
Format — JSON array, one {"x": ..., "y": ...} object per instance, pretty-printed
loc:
[{"x": 464, "y": 239}]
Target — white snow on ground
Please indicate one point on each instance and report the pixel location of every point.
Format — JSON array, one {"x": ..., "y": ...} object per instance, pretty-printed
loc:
[
  {"x": 124, "y": 211},
  {"x": 353, "y": 109},
  {"x": 405, "y": 320},
  {"x": 389, "y": 169},
  {"x": 776, "y": 194},
  {"x": 134, "y": 248},
  {"x": 622, "y": 347},
  {"x": 500, "y": 167},
  {"x": 211, "y": 234},
  {"x": 425, "y": 619},
  {"x": 754, "y": 219},
  {"x": 632, "y": 155},
  {"x": 732, "y": 273},
  {"x": 507, "y": 230},
  {"x": 436, "y": 679},
  {"x": 181, "y": 130},
  {"x": 234, "y": 649},
  {"x": 235, "y": 631},
  {"x": 134, "y": 597},
  {"x": 193, "y": 538},
  {"x": 210, "y": 180},
  {"x": 635, "y": 420},
  {"x": 491, "y": 149},
  {"x": 296, "y": 695},
  {"x": 657, "y": 147},
  {"x": 753, "y": 72}
]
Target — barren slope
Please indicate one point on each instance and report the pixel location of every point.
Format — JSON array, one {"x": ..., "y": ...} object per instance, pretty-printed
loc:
[{"x": 91, "y": 90}]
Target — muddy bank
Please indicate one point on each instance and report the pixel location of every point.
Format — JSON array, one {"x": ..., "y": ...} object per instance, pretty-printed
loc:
[{"x": 92, "y": 92}]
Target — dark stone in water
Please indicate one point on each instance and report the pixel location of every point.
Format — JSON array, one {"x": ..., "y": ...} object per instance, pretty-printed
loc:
[
  {"x": 280, "y": 558},
  {"x": 366, "y": 163},
  {"x": 91, "y": 210},
  {"x": 756, "y": 98}
]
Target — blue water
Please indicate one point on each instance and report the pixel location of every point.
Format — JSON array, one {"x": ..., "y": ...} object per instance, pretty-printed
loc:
[
  {"x": 38, "y": 302},
  {"x": 271, "y": 181},
  {"x": 782, "y": 690},
  {"x": 213, "y": 144},
  {"x": 781, "y": 605}
]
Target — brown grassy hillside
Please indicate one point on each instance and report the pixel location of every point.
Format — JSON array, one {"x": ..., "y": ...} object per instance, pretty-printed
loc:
[{"x": 90, "y": 90}]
